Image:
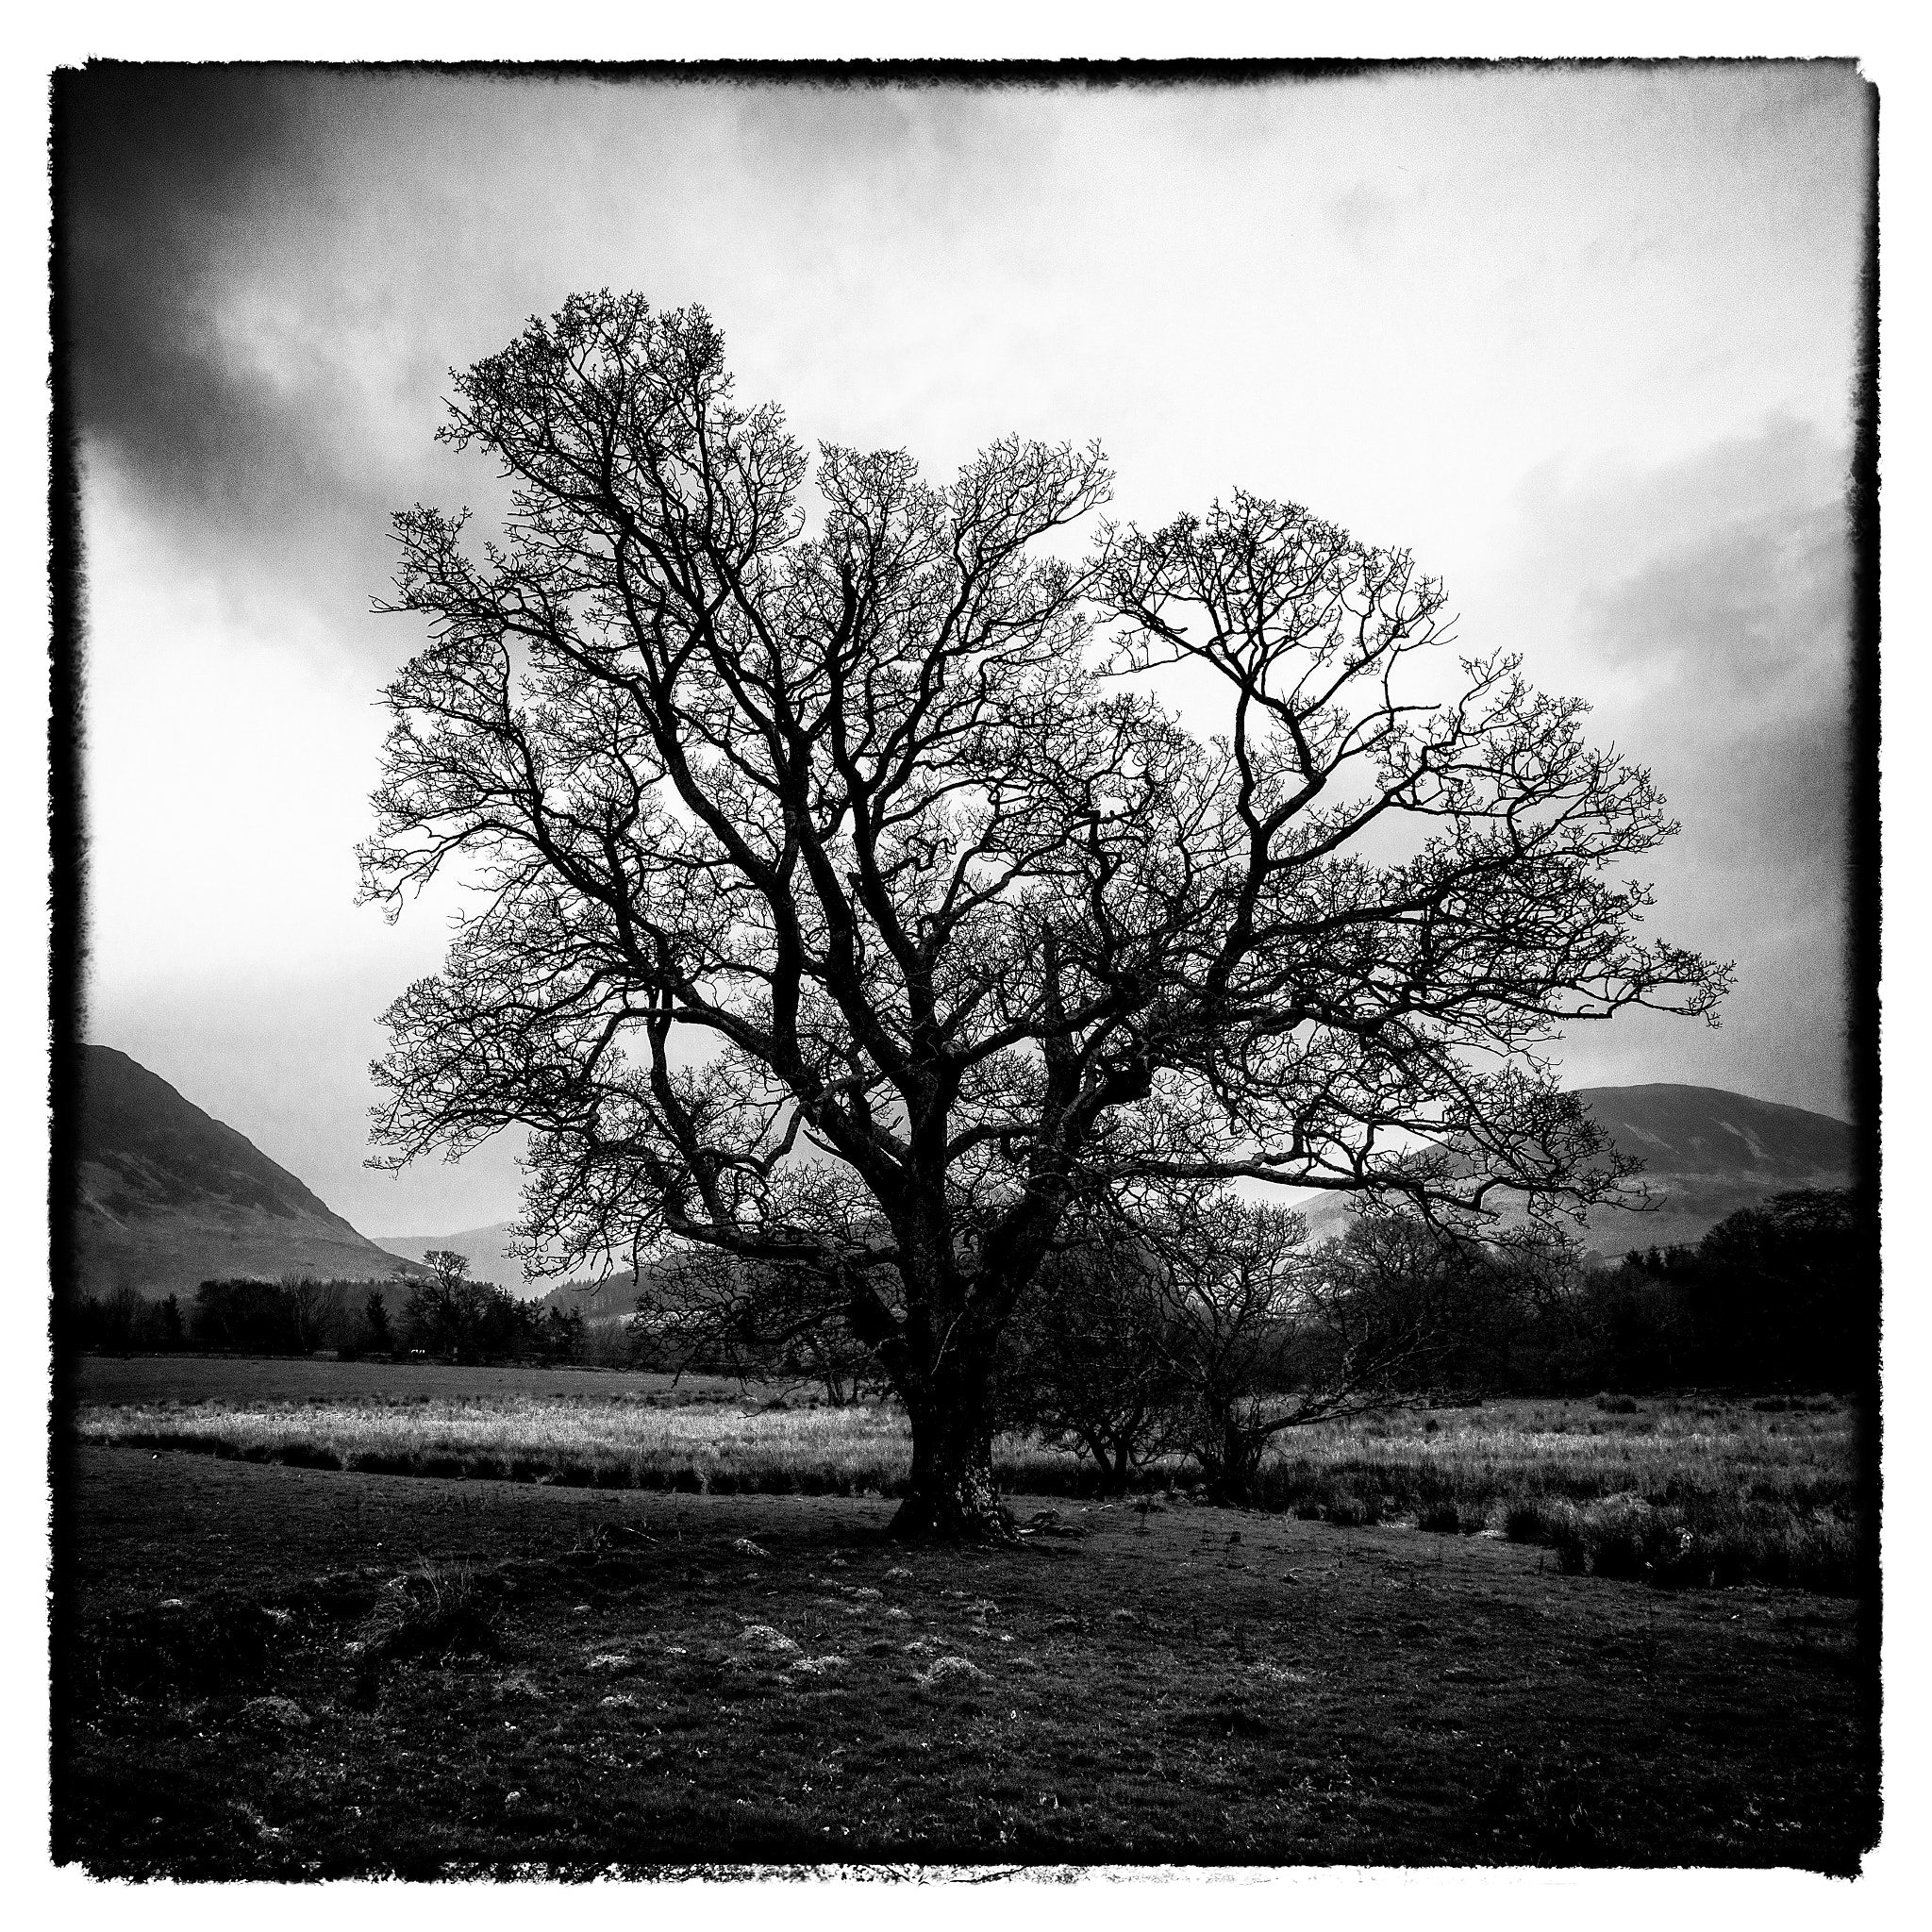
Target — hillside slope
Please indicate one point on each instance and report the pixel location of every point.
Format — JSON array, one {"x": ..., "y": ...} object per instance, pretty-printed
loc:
[
  {"x": 1710, "y": 1153},
  {"x": 1705, "y": 1154},
  {"x": 167, "y": 1197},
  {"x": 481, "y": 1247}
]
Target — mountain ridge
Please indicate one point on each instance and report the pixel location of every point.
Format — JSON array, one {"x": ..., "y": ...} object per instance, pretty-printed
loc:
[
  {"x": 166, "y": 1196},
  {"x": 481, "y": 1247},
  {"x": 1707, "y": 1152}
]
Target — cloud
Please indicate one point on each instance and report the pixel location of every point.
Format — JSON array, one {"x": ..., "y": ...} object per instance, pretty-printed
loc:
[
  {"x": 161, "y": 171},
  {"x": 1737, "y": 642},
  {"x": 1705, "y": 608},
  {"x": 154, "y": 167},
  {"x": 1390, "y": 298},
  {"x": 249, "y": 258}
]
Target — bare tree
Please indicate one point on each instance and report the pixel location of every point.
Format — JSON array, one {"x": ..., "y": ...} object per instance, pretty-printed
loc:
[
  {"x": 835, "y": 909},
  {"x": 450, "y": 1270},
  {"x": 752, "y": 1319},
  {"x": 1264, "y": 1335},
  {"x": 315, "y": 1311},
  {"x": 1090, "y": 1358},
  {"x": 445, "y": 1313}
]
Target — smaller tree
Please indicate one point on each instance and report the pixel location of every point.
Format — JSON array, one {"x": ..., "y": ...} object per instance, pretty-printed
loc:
[
  {"x": 377, "y": 1337},
  {"x": 1785, "y": 1293},
  {"x": 1233, "y": 1280},
  {"x": 1265, "y": 1337},
  {"x": 1537, "y": 1285},
  {"x": 245, "y": 1316},
  {"x": 315, "y": 1311},
  {"x": 829, "y": 1357},
  {"x": 1621, "y": 1325},
  {"x": 563, "y": 1332},
  {"x": 114, "y": 1322},
  {"x": 445, "y": 1313},
  {"x": 1404, "y": 1307},
  {"x": 1088, "y": 1358},
  {"x": 752, "y": 1320}
]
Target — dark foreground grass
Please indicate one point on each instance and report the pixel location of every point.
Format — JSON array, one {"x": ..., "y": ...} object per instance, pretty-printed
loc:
[{"x": 275, "y": 1673}]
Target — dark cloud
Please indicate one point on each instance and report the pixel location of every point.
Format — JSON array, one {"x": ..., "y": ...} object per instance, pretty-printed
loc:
[
  {"x": 1745, "y": 638},
  {"x": 174, "y": 185},
  {"x": 1704, "y": 609},
  {"x": 154, "y": 167},
  {"x": 1712, "y": 624}
]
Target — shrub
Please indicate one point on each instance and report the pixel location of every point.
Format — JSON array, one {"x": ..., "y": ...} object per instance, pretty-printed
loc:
[
  {"x": 1711, "y": 1543},
  {"x": 434, "y": 1612},
  {"x": 1523, "y": 1521},
  {"x": 1349, "y": 1509}
]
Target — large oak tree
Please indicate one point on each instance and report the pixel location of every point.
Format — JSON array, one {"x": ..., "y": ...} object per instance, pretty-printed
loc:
[{"x": 848, "y": 898}]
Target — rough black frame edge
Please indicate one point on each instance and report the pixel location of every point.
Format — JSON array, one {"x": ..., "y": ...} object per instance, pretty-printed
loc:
[
  {"x": 67, "y": 816},
  {"x": 1863, "y": 934},
  {"x": 66, "y": 903}
]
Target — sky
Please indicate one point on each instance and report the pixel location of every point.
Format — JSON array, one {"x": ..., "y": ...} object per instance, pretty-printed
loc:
[{"x": 1582, "y": 339}]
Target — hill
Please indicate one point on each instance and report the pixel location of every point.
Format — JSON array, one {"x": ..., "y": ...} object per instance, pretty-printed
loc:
[
  {"x": 1710, "y": 1153},
  {"x": 1706, "y": 1153},
  {"x": 166, "y": 1196},
  {"x": 481, "y": 1247}
]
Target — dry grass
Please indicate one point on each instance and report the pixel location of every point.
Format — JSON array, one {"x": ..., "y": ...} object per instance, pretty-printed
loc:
[
  {"x": 1675, "y": 1491},
  {"x": 1669, "y": 1449},
  {"x": 617, "y": 1444},
  {"x": 1672, "y": 1489}
]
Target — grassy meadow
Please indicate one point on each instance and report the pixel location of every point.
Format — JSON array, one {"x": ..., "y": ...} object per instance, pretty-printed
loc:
[
  {"x": 1684, "y": 1489},
  {"x": 271, "y": 1672}
]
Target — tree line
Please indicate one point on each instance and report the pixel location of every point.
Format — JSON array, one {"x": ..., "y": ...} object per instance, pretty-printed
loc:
[{"x": 449, "y": 1317}]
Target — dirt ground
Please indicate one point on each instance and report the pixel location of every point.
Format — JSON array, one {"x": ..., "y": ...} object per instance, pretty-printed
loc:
[{"x": 641, "y": 1682}]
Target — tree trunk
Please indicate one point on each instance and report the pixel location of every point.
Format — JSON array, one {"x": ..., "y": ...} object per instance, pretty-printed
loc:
[
  {"x": 1230, "y": 1469},
  {"x": 951, "y": 1498}
]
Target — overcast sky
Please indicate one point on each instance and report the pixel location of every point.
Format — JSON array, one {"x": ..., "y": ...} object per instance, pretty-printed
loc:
[{"x": 1583, "y": 340}]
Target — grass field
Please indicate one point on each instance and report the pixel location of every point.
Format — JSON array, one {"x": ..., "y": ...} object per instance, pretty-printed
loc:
[
  {"x": 1677, "y": 1491},
  {"x": 271, "y": 1672}
]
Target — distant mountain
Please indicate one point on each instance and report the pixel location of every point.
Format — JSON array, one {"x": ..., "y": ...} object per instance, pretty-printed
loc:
[
  {"x": 1710, "y": 1153},
  {"x": 169, "y": 1197},
  {"x": 481, "y": 1247},
  {"x": 1706, "y": 1153}
]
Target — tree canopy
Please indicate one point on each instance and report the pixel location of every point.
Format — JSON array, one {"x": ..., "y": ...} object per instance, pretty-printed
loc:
[{"x": 847, "y": 895}]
